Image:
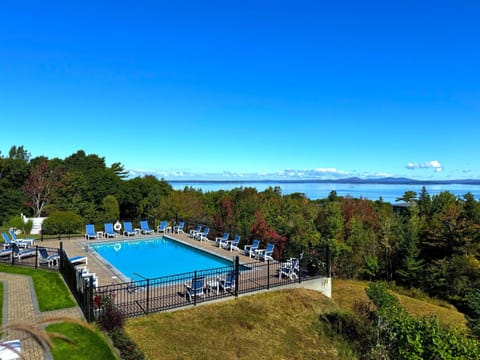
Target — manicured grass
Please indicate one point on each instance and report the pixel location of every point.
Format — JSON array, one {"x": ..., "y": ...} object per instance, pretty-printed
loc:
[
  {"x": 348, "y": 292},
  {"x": 86, "y": 343},
  {"x": 51, "y": 291},
  {"x": 273, "y": 325}
]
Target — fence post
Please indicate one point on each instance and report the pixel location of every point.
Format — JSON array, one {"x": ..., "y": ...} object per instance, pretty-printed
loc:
[
  {"x": 61, "y": 262},
  {"x": 300, "y": 257},
  {"x": 268, "y": 274},
  {"x": 236, "y": 270},
  {"x": 148, "y": 296},
  {"x": 194, "y": 286}
]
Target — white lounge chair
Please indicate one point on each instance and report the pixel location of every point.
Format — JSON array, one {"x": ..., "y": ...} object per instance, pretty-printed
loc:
[
  {"x": 202, "y": 236},
  {"x": 10, "y": 350},
  {"x": 195, "y": 288},
  {"x": 45, "y": 258},
  {"x": 144, "y": 228},
  {"x": 30, "y": 241},
  {"x": 22, "y": 253},
  {"x": 193, "y": 233},
  {"x": 128, "y": 229},
  {"x": 79, "y": 259},
  {"x": 179, "y": 228},
  {"x": 162, "y": 227},
  {"x": 227, "y": 283},
  {"x": 9, "y": 242},
  {"x": 109, "y": 233},
  {"x": 289, "y": 269},
  {"x": 265, "y": 254},
  {"x": 250, "y": 249},
  {"x": 90, "y": 232},
  {"x": 221, "y": 241},
  {"x": 232, "y": 244}
]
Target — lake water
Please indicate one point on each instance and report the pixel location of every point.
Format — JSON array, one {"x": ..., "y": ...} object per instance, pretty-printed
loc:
[{"x": 388, "y": 192}]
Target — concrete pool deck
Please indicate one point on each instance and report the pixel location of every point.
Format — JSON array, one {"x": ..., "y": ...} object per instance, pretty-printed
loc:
[{"x": 108, "y": 275}]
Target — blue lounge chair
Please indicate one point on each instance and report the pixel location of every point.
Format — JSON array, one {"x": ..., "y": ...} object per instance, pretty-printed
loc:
[
  {"x": 22, "y": 253},
  {"x": 109, "y": 233},
  {"x": 228, "y": 283},
  {"x": 127, "y": 229},
  {"x": 195, "y": 288},
  {"x": 5, "y": 252},
  {"x": 90, "y": 232},
  {"x": 179, "y": 228},
  {"x": 45, "y": 258},
  {"x": 144, "y": 228},
  {"x": 30, "y": 241},
  {"x": 9, "y": 242},
  {"x": 220, "y": 241},
  {"x": 289, "y": 269},
  {"x": 193, "y": 233},
  {"x": 202, "y": 236},
  {"x": 162, "y": 227},
  {"x": 79, "y": 259},
  {"x": 250, "y": 249},
  {"x": 265, "y": 254},
  {"x": 10, "y": 350},
  {"x": 232, "y": 244}
]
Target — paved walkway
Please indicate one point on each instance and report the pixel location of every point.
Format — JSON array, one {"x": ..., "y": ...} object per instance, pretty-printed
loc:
[{"x": 20, "y": 306}]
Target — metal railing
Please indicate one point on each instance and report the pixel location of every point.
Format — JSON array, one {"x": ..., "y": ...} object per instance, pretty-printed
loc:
[
  {"x": 144, "y": 296},
  {"x": 33, "y": 256}
]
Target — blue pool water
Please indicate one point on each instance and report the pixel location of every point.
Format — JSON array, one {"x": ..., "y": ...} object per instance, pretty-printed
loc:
[{"x": 157, "y": 257}]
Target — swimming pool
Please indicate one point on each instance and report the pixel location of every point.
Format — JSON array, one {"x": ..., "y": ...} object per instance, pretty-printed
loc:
[{"x": 151, "y": 258}]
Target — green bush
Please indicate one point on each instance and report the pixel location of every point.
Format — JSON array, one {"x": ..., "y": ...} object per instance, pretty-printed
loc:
[
  {"x": 406, "y": 337},
  {"x": 128, "y": 349},
  {"x": 62, "y": 222},
  {"x": 110, "y": 318},
  {"x": 16, "y": 222},
  {"x": 358, "y": 333}
]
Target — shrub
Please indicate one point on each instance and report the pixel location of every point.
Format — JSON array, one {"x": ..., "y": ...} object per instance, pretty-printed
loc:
[
  {"x": 17, "y": 222},
  {"x": 110, "y": 317},
  {"x": 62, "y": 222},
  {"x": 128, "y": 349},
  {"x": 360, "y": 334}
]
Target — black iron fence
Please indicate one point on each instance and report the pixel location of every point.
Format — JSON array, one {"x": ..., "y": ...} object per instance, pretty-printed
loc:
[
  {"x": 144, "y": 296},
  {"x": 32, "y": 256}
]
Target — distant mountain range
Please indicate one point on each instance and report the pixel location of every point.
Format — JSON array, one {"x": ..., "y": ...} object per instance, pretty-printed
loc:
[{"x": 351, "y": 180}]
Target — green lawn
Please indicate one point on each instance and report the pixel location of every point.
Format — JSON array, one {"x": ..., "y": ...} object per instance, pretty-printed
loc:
[
  {"x": 51, "y": 291},
  {"x": 86, "y": 343},
  {"x": 53, "y": 294}
]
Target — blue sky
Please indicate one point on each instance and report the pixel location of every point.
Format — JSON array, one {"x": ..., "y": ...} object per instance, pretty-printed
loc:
[{"x": 246, "y": 89}]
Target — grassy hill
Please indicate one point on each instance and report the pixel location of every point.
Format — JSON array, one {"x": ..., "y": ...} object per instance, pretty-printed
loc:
[
  {"x": 346, "y": 293},
  {"x": 273, "y": 325}
]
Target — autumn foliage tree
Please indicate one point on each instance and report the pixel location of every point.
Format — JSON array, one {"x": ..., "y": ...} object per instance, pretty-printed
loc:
[{"x": 39, "y": 187}]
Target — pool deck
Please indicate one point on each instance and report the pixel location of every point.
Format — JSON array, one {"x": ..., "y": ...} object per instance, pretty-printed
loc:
[{"x": 108, "y": 275}]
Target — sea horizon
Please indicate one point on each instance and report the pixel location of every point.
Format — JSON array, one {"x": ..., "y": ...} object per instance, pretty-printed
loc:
[{"x": 317, "y": 189}]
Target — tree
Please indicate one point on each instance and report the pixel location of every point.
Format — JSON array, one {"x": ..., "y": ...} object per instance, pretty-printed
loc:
[
  {"x": 39, "y": 186},
  {"x": 19, "y": 153},
  {"x": 119, "y": 170},
  {"x": 110, "y": 208},
  {"x": 408, "y": 197}
]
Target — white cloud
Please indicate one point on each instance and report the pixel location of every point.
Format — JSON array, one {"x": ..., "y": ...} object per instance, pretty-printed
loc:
[{"x": 434, "y": 164}]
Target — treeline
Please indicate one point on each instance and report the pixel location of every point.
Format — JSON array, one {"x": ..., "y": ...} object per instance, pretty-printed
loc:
[{"x": 431, "y": 244}]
